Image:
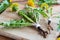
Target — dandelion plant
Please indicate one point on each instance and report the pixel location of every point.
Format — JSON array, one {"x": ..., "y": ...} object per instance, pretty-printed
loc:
[
  {"x": 33, "y": 16},
  {"x": 58, "y": 29},
  {"x": 30, "y": 16}
]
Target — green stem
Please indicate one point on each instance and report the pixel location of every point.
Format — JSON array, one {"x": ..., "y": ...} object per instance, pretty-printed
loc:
[
  {"x": 21, "y": 13},
  {"x": 43, "y": 14}
]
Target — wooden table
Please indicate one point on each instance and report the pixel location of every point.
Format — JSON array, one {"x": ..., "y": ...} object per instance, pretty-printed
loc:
[
  {"x": 5, "y": 38},
  {"x": 26, "y": 33}
]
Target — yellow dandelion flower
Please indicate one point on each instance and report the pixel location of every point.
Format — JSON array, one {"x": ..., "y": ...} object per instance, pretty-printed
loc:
[
  {"x": 10, "y": 0},
  {"x": 58, "y": 38},
  {"x": 14, "y": 7},
  {"x": 14, "y": 4},
  {"x": 44, "y": 5},
  {"x": 31, "y": 3}
]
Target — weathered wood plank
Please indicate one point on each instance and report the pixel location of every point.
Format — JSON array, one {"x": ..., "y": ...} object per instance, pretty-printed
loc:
[{"x": 26, "y": 32}]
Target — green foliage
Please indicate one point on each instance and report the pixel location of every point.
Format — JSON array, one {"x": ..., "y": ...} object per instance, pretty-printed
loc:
[
  {"x": 43, "y": 13},
  {"x": 16, "y": 23},
  {"x": 33, "y": 13},
  {"x": 58, "y": 29},
  {"x": 29, "y": 17},
  {"x": 50, "y": 2},
  {"x": 4, "y": 5},
  {"x": 14, "y": 8},
  {"x": 21, "y": 13}
]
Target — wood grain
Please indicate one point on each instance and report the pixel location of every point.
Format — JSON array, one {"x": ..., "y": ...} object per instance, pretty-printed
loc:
[
  {"x": 27, "y": 32},
  {"x": 5, "y": 38}
]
